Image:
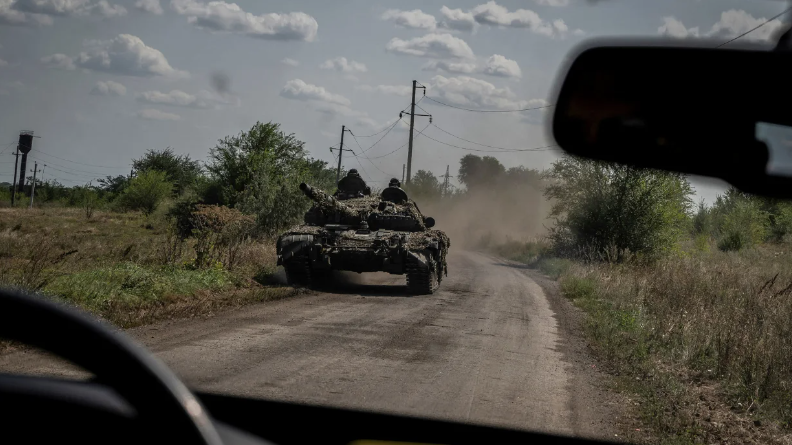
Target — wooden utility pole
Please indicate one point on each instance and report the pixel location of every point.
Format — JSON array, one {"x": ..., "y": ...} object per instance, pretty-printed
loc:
[
  {"x": 14, "y": 187},
  {"x": 33, "y": 187},
  {"x": 341, "y": 151},
  {"x": 412, "y": 129},
  {"x": 403, "y": 167}
]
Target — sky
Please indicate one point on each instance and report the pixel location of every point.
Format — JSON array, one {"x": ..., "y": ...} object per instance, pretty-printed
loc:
[{"x": 102, "y": 81}]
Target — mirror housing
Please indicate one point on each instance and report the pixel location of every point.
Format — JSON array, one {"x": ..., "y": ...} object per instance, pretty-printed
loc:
[
  {"x": 679, "y": 108},
  {"x": 429, "y": 222}
]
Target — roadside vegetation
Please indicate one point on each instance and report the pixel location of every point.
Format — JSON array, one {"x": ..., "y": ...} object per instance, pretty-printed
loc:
[
  {"x": 690, "y": 306},
  {"x": 176, "y": 238}
]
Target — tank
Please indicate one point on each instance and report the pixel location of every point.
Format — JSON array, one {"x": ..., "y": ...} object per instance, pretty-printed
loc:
[{"x": 384, "y": 233}]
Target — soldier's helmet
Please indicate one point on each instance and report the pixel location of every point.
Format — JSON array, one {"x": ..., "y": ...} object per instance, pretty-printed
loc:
[
  {"x": 394, "y": 183},
  {"x": 353, "y": 172}
]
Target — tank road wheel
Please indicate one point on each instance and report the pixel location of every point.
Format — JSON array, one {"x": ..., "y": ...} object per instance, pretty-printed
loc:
[
  {"x": 422, "y": 280},
  {"x": 298, "y": 271}
]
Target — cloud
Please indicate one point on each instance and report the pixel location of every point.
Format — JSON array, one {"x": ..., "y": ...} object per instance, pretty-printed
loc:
[
  {"x": 494, "y": 14},
  {"x": 3, "y": 62},
  {"x": 108, "y": 88},
  {"x": 297, "y": 89},
  {"x": 343, "y": 65},
  {"x": 450, "y": 67},
  {"x": 229, "y": 17},
  {"x": 157, "y": 115},
  {"x": 177, "y": 98},
  {"x": 476, "y": 93},
  {"x": 437, "y": 46},
  {"x": 731, "y": 24},
  {"x": 125, "y": 54},
  {"x": 415, "y": 19},
  {"x": 457, "y": 19},
  {"x": 556, "y": 3},
  {"x": 395, "y": 90},
  {"x": 150, "y": 6},
  {"x": 59, "y": 61},
  {"x": 290, "y": 62},
  {"x": 70, "y": 8},
  {"x": 672, "y": 27},
  {"x": 498, "y": 65},
  {"x": 9, "y": 15}
]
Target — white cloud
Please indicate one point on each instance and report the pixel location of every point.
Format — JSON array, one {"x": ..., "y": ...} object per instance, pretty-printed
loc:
[
  {"x": 396, "y": 90},
  {"x": 450, "y": 67},
  {"x": 177, "y": 98},
  {"x": 59, "y": 61},
  {"x": 299, "y": 90},
  {"x": 735, "y": 22},
  {"x": 125, "y": 54},
  {"x": 476, "y": 93},
  {"x": 108, "y": 88},
  {"x": 9, "y": 15},
  {"x": 498, "y": 65},
  {"x": 70, "y": 8},
  {"x": 343, "y": 65},
  {"x": 157, "y": 115},
  {"x": 556, "y": 3},
  {"x": 416, "y": 19},
  {"x": 3, "y": 62},
  {"x": 578, "y": 32},
  {"x": 494, "y": 14},
  {"x": 731, "y": 24},
  {"x": 290, "y": 62},
  {"x": 229, "y": 17},
  {"x": 437, "y": 46},
  {"x": 674, "y": 28},
  {"x": 457, "y": 19},
  {"x": 150, "y": 6}
]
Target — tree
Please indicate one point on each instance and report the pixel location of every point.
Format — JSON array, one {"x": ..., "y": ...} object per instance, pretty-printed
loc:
[
  {"x": 146, "y": 191},
  {"x": 259, "y": 172},
  {"x": 113, "y": 185},
  {"x": 477, "y": 172},
  {"x": 179, "y": 169},
  {"x": 609, "y": 211},
  {"x": 425, "y": 186}
]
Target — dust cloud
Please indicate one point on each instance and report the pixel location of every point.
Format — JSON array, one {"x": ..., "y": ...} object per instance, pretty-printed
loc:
[{"x": 476, "y": 219}]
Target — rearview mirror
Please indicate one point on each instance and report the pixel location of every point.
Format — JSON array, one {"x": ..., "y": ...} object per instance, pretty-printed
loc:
[
  {"x": 429, "y": 222},
  {"x": 711, "y": 112}
]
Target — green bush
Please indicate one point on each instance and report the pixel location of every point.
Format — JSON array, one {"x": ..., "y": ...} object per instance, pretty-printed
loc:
[
  {"x": 146, "y": 191},
  {"x": 554, "y": 267},
  {"x": 611, "y": 212}
]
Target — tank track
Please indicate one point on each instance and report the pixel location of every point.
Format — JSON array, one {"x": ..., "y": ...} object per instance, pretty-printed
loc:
[
  {"x": 300, "y": 273},
  {"x": 421, "y": 280}
]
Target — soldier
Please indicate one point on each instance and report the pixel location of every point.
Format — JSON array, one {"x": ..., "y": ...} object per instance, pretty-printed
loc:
[
  {"x": 394, "y": 192},
  {"x": 352, "y": 186}
]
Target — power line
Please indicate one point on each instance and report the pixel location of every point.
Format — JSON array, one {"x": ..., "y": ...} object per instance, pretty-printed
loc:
[
  {"x": 378, "y": 140},
  {"x": 755, "y": 27},
  {"x": 477, "y": 143},
  {"x": 71, "y": 169},
  {"x": 545, "y": 148},
  {"x": 400, "y": 147},
  {"x": 488, "y": 111},
  {"x": 80, "y": 163}
]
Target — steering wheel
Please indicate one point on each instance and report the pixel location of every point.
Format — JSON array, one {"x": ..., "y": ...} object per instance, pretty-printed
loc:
[{"x": 162, "y": 402}]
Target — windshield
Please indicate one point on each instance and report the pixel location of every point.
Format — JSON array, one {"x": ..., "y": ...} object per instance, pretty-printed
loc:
[{"x": 361, "y": 205}]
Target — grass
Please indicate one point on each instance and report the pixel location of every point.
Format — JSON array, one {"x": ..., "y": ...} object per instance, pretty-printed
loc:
[
  {"x": 703, "y": 338},
  {"x": 126, "y": 268}
]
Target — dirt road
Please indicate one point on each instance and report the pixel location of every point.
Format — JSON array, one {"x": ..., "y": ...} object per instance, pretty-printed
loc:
[{"x": 487, "y": 348}]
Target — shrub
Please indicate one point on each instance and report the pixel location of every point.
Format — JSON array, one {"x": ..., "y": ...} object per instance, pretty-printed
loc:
[
  {"x": 611, "y": 212},
  {"x": 220, "y": 233},
  {"x": 146, "y": 191}
]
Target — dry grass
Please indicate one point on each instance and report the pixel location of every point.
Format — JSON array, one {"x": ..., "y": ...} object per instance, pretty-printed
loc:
[
  {"x": 126, "y": 268},
  {"x": 704, "y": 337}
]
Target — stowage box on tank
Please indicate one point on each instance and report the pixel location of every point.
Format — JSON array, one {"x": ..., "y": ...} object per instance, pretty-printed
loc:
[{"x": 385, "y": 233}]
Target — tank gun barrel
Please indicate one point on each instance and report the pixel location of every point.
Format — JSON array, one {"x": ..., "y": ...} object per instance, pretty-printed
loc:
[{"x": 327, "y": 203}]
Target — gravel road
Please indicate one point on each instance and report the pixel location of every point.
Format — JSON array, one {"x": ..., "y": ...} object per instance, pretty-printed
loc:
[{"x": 487, "y": 348}]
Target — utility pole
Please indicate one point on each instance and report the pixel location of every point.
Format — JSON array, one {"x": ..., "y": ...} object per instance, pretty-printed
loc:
[
  {"x": 445, "y": 182},
  {"x": 412, "y": 128},
  {"x": 33, "y": 187},
  {"x": 14, "y": 188},
  {"x": 341, "y": 151},
  {"x": 403, "y": 167}
]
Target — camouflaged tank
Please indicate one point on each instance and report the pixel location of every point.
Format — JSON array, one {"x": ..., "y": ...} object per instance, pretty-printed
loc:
[{"x": 385, "y": 233}]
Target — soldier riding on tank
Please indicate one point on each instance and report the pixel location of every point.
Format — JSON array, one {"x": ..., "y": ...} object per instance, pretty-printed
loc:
[{"x": 352, "y": 186}]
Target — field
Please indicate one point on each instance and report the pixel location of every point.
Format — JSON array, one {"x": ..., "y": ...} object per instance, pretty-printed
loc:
[
  {"x": 701, "y": 338},
  {"x": 126, "y": 268}
]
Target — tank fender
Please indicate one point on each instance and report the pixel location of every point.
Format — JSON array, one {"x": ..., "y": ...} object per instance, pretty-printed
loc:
[{"x": 290, "y": 245}]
